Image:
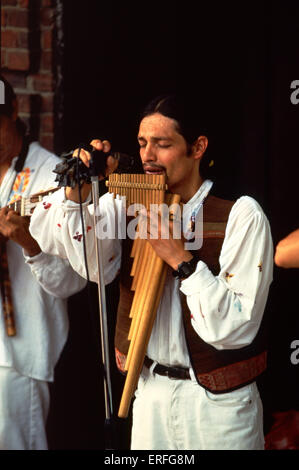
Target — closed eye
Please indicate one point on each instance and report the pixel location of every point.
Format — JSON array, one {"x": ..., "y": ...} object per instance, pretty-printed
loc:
[{"x": 164, "y": 146}]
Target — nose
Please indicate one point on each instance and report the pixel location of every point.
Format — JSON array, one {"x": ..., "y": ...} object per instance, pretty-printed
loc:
[{"x": 147, "y": 153}]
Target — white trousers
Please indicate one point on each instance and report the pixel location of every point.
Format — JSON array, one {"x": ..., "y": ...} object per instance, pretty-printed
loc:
[
  {"x": 181, "y": 415},
  {"x": 24, "y": 405}
]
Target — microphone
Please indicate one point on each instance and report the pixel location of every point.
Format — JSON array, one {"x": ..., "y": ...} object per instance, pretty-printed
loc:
[
  {"x": 68, "y": 176},
  {"x": 99, "y": 158},
  {"x": 125, "y": 162}
]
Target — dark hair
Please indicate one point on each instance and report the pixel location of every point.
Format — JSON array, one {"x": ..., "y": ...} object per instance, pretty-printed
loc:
[
  {"x": 7, "y": 107},
  {"x": 191, "y": 120}
]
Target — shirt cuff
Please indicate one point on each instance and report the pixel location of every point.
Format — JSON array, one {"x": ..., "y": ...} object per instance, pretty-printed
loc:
[
  {"x": 68, "y": 204},
  {"x": 40, "y": 259},
  {"x": 201, "y": 279}
]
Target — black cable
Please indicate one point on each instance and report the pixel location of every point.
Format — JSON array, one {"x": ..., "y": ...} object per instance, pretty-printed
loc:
[
  {"x": 81, "y": 215},
  {"x": 109, "y": 427}
]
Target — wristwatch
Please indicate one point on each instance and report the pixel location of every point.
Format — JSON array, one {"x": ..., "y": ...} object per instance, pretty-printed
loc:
[{"x": 186, "y": 268}]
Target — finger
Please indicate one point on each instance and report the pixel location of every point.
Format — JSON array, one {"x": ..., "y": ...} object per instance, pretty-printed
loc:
[
  {"x": 106, "y": 146},
  {"x": 84, "y": 156},
  {"x": 97, "y": 144},
  {"x": 5, "y": 209},
  {"x": 103, "y": 145},
  {"x": 111, "y": 165},
  {"x": 12, "y": 215}
]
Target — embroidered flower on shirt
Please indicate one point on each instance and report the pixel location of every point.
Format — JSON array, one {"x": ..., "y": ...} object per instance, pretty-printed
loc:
[
  {"x": 89, "y": 228},
  {"x": 58, "y": 225},
  {"x": 238, "y": 305},
  {"x": 77, "y": 237},
  {"x": 260, "y": 266},
  {"x": 46, "y": 205},
  {"x": 21, "y": 183},
  {"x": 228, "y": 276}
]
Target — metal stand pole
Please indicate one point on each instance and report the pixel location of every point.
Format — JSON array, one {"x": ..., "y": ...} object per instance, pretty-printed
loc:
[{"x": 103, "y": 319}]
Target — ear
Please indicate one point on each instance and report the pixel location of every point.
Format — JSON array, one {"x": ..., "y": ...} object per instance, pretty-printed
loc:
[{"x": 199, "y": 147}]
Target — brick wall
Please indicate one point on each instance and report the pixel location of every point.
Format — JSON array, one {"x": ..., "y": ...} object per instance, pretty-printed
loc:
[{"x": 27, "y": 28}]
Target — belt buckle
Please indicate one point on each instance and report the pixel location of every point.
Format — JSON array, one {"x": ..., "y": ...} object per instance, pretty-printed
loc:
[{"x": 169, "y": 375}]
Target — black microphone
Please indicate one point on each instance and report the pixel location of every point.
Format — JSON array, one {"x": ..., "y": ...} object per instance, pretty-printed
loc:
[
  {"x": 125, "y": 162},
  {"x": 99, "y": 159},
  {"x": 71, "y": 169}
]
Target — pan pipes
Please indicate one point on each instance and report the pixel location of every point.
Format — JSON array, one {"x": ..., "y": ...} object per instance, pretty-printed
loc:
[{"x": 148, "y": 271}]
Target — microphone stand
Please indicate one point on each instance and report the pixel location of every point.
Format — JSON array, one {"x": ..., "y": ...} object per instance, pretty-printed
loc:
[
  {"x": 109, "y": 424},
  {"x": 65, "y": 171}
]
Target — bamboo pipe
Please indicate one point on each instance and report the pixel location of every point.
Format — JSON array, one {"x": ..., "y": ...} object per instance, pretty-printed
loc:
[{"x": 141, "y": 338}]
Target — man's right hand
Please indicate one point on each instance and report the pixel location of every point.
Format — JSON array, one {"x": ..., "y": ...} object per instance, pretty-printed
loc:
[{"x": 85, "y": 156}]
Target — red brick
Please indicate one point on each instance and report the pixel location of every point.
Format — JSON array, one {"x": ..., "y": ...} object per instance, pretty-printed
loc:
[
  {"x": 17, "y": 60},
  {"x": 47, "y": 3},
  {"x": 15, "y": 17},
  {"x": 3, "y": 58},
  {"x": 47, "y": 141},
  {"x": 3, "y": 19},
  {"x": 46, "y": 16},
  {"x": 9, "y": 2},
  {"x": 16, "y": 79},
  {"x": 46, "y": 39},
  {"x": 23, "y": 42},
  {"x": 47, "y": 123},
  {"x": 24, "y": 3},
  {"x": 47, "y": 103},
  {"x": 42, "y": 82},
  {"x": 13, "y": 38},
  {"x": 46, "y": 60},
  {"x": 24, "y": 103},
  {"x": 9, "y": 38}
]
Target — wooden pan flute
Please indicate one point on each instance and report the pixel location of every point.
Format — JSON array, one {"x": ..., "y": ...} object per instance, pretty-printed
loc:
[{"x": 148, "y": 271}]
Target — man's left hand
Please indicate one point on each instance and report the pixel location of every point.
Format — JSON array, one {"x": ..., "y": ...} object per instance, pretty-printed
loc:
[{"x": 16, "y": 228}]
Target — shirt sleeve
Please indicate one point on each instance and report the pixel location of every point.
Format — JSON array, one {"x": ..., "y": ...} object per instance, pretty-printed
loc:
[
  {"x": 226, "y": 310},
  {"x": 57, "y": 226},
  {"x": 55, "y": 275}
]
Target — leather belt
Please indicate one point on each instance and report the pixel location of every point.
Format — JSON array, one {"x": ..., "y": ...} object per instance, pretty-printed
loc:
[{"x": 170, "y": 372}]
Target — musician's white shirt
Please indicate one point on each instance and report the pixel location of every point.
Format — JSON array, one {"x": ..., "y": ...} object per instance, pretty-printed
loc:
[
  {"x": 39, "y": 300},
  {"x": 226, "y": 309}
]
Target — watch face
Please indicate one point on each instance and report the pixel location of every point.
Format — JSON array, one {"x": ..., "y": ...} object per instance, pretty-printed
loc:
[{"x": 186, "y": 269}]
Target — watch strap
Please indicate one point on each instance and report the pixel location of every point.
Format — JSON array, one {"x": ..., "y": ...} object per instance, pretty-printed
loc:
[{"x": 186, "y": 268}]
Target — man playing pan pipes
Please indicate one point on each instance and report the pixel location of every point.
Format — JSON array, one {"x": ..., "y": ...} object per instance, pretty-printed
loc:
[
  {"x": 197, "y": 386},
  {"x": 34, "y": 288}
]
